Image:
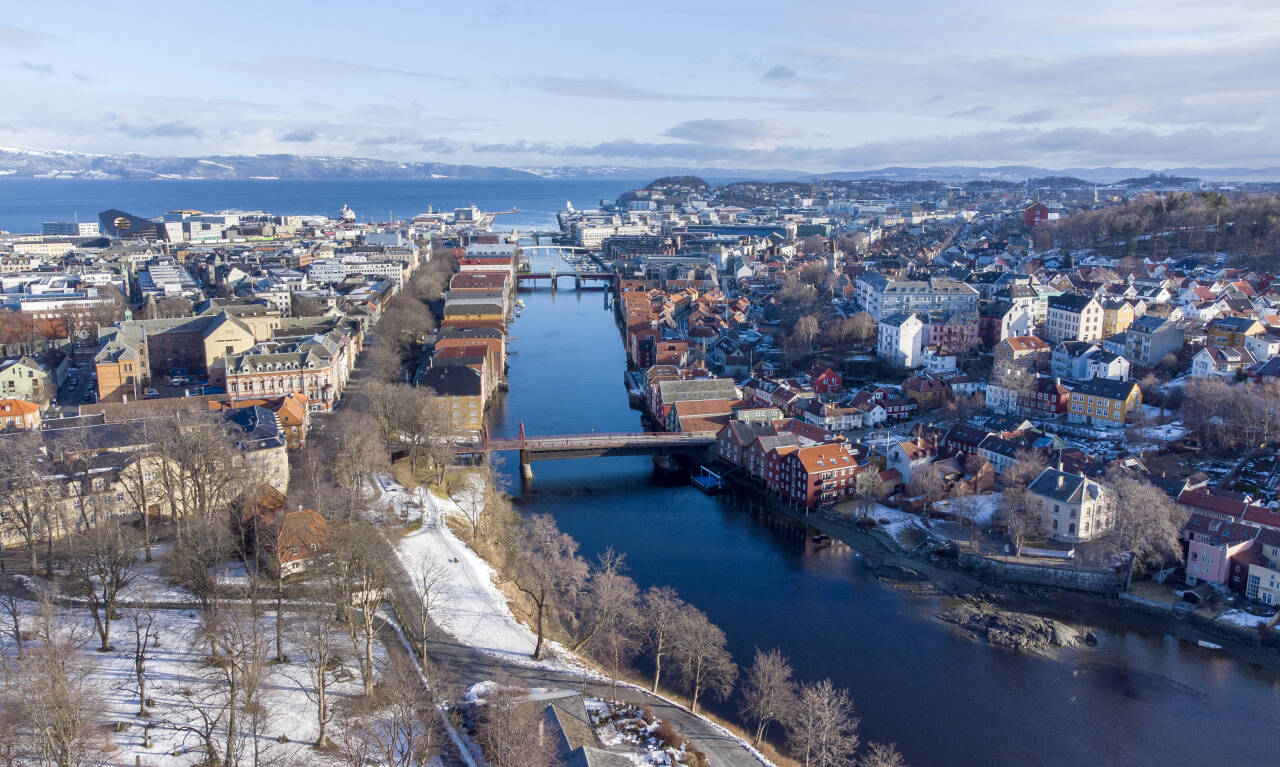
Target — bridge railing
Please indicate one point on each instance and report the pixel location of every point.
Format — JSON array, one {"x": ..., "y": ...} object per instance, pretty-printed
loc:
[{"x": 592, "y": 439}]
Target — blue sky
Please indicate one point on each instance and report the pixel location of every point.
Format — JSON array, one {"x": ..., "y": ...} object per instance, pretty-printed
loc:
[{"x": 815, "y": 86}]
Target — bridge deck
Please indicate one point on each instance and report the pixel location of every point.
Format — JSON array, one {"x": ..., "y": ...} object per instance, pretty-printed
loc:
[{"x": 591, "y": 442}]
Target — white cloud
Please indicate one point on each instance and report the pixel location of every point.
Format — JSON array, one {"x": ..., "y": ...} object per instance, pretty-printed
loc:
[{"x": 741, "y": 133}]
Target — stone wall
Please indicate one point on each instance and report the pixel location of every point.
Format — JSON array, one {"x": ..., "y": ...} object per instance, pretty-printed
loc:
[{"x": 997, "y": 571}]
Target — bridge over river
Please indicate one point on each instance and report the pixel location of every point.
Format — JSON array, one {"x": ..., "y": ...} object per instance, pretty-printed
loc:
[{"x": 591, "y": 445}]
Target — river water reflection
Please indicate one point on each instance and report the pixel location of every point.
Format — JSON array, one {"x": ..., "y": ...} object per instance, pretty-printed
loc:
[{"x": 1137, "y": 699}]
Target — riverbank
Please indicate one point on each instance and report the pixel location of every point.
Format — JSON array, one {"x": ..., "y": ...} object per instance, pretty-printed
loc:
[
  {"x": 1085, "y": 612},
  {"x": 474, "y": 610},
  {"x": 759, "y": 576}
]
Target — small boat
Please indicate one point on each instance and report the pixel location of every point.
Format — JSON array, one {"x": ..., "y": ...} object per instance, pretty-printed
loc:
[
  {"x": 1209, "y": 645},
  {"x": 821, "y": 538}
]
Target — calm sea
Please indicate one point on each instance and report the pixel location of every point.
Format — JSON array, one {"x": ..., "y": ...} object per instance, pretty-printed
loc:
[{"x": 26, "y": 203}]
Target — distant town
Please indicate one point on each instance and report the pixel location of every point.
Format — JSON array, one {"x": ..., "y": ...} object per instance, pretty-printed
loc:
[{"x": 1052, "y": 391}]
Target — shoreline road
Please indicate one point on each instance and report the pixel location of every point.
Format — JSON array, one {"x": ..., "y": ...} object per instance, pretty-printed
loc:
[{"x": 468, "y": 665}]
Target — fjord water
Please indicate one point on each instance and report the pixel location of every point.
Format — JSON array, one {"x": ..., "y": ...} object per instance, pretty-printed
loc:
[
  {"x": 1137, "y": 699},
  {"x": 26, "y": 203}
]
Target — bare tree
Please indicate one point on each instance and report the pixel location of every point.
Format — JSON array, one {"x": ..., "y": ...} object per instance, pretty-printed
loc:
[
  {"x": 1147, "y": 524},
  {"x": 882, "y": 755},
  {"x": 405, "y": 323},
  {"x": 618, "y": 640},
  {"x": 1016, "y": 379},
  {"x": 139, "y": 479},
  {"x": 967, "y": 508},
  {"x": 824, "y": 731},
  {"x": 202, "y": 470},
  {"x": 544, "y": 566},
  {"x": 661, "y": 611},
  {"x": 769, "y": 693},
  {"x": 480, "y": 500},
  {"x": 429, "y": 580},
  {"x": 103, "y": 559},
  {"x": 56, "y": 699},
  {"x": 1021, "y": 512},
  {"x": 805, "y": 331},
  {"x": 868, "y": 489},
  {"x": 409, "y": 417},
  {"x": 242, "y": 671},
  {"x": 200, "y": 713},
  {"x": 193, "y": 562},
  {"x": 317, "y": 636},
  {"x": 702, "y": 662},
  {"x": 381, "y": 362},
  {"x": 510, "y": 731},
  {"x": 605, "y": 594},
  {"x": 358, "y": 454},
  {"x": 358, "y": 555},
  {"x": 398, "y": 727},
  {"x": 13, "y": 608},
  {"x": 142, "y": 630},
  {"x": 26, "y": 498},
  {"x": 1027, "y": 465},
  {"x": 927, "y": 484}
]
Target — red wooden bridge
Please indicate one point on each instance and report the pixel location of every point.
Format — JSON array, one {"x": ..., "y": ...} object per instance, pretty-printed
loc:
[{"x": 593, "y": 445}]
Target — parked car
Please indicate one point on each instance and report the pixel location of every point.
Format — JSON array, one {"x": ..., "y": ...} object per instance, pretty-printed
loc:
[
  {"x": 151, "y": 394},
  {"x": 88, "y": 396}
]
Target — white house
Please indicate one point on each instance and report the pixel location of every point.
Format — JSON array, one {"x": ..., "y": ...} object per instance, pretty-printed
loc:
[
  {"x": 1073, "y": 507},
  {"x": 1073, "y": 318},
  {"x": 1215, "y": 362},
  {"x": 900, "y": 336}
]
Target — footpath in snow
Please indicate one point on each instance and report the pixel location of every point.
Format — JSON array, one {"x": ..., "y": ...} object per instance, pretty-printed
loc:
[{"x": 473, "y": 610}]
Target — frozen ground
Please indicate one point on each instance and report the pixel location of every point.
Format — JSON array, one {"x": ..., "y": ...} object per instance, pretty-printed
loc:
[
  {"x": 473, "y": 610},
  {"x": 898, "y": 524},
  {"x": 177, "y": 664},
  {"x": 1243, "y": 619},
  {"x": 986, "y": 507}
]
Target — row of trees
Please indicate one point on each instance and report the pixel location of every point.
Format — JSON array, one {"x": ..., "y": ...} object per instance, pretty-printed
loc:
[
  {"x": 598, "y": 610},
  {"x": 190, "y": 468},
  {"x": 1231, "y": 417},
  {"x": 818, "y": 717},
  {"x": 1204, "y": 222}
]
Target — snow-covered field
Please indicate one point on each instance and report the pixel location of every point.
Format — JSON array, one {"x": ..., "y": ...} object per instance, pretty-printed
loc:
[
  {"x": 1242, "y": 619},
  {"x": 985, "y": 507},
  {"x": 897, "y": 524},
  {"x": 472, "y": 610},
  {"x": 176, "y": 665}
]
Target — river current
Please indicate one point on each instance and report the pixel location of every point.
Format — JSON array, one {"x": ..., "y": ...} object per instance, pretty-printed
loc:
[{"x": 946, "y": 699}]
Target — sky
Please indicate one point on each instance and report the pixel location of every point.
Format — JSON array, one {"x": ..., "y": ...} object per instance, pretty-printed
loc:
[{"x": 811, "y": 86}]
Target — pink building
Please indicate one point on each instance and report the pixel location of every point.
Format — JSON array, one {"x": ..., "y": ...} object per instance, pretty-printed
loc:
[{"x": 1212, "y": 542}]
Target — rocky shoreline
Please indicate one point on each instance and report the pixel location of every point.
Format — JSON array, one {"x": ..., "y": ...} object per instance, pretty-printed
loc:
[{"x": 1015, "y": 630}]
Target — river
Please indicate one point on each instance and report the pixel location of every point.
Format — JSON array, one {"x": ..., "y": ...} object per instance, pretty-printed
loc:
[{"x": 1137, "y": 699}]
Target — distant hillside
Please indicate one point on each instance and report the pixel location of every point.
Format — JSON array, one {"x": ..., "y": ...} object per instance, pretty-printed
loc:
[
  {"x": 29, "y": 163},
  {"x": 1018, "y": 173},
  {"x": 44, "y": 163}
]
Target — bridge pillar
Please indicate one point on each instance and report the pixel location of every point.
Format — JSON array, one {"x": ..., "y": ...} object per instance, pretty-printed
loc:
[
  {"x": 526, "y": 467},
  {"x": 553, "y": 279}
]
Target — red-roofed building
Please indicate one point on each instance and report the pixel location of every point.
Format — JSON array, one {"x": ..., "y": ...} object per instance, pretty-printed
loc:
[
  {"x": 1263, "y": 516},
  {"x": 818, "y": 474},
  {"x": 824, "y": 380}
]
